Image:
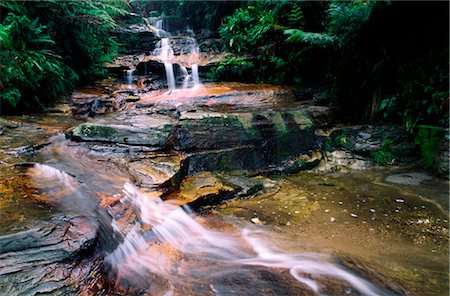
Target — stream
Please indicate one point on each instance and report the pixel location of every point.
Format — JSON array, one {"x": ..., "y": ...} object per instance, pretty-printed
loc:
[{"x": 312, "y": 234}]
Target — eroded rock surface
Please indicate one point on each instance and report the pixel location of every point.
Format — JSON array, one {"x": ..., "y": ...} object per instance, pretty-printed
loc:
[
  {"x": 48, "y": 259},
  {"x": 216, "y": 128}
]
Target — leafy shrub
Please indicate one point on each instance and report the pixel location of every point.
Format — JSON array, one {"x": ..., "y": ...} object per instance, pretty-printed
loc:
[
  {"x": 29, "y": 68},
  {"x": 427, "y": 138},
  {"x": 46, "y": 47},
  {"x": 385, "y": 155}
]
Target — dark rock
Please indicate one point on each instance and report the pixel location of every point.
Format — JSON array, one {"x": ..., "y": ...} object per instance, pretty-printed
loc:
[
  {"x": 48, "y": 259},
  {"x": 136, "y": 39},
  {"x": 132, "y": 129},
  {"x": 93, "y": 104},
  {"x": 216, "y": 128},
  {"x": 30, "y": 149}
]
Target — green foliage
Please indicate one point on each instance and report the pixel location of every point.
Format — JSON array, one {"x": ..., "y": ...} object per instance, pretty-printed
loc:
[
  {"x": 46, "y": 47},
  {"x": 341, "y": 140},
  {"x": 315, "y": 39},
  {"x": 233, "y": 69},
  {"x": 247, "y": 30},
  {"x": 428, "y": 138},
  {"x": 28, "y": 66},
  {"x": 258, "y": 30},
  {"x": 384, "y": 155}
]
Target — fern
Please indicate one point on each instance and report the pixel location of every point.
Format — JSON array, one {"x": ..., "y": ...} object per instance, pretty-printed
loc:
[
  {"x": 296, "y": 17},
  {"x": 316, "y": 39}
]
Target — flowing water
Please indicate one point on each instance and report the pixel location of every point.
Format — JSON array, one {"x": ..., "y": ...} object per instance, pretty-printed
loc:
[
  {"x": 189, "y": 256},
  {"x": 164, "y": 52},
  {"x": 130, "y": 77},
  {"x": 309, "y": 226}
]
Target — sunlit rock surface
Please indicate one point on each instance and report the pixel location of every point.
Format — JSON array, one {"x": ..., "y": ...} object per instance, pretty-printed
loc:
[{"x": 216, "y": 127}]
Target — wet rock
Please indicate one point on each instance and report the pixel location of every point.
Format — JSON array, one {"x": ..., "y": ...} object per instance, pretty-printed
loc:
[
  {"x": 157, "y": 172},
  {"x": 133, "y": 130},
  {"x": 204, "y": 188},
  {"x": 31, "y": 149},
  {"x": 136, "y": 38},
  {"x": 4, "y": 123},
  {"x": 364, "y": 139},
  {"x": 48, "y": 259},
  {"x": 216, "y": 128},
  {"x": 410, "y": 178},
  {"x": 95, "y": 104}
]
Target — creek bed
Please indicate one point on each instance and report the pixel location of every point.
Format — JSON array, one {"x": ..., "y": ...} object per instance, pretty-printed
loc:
[{"x": 401, "y": 231}]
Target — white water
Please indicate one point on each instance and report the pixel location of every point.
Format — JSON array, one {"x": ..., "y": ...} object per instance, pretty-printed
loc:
[
  {"x": 183, "y": 252},
  {"x": 191, "y": 48},
  {"x": 165, "y": 53},
  {"x": 130, "y": 77},
  {"x": 195, "y": 76}
]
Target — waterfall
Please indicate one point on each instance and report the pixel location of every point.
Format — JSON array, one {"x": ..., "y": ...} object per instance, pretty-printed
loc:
[
  {"x": 170, "y": 76},
  {"x": 195, "y": 77},
  {"x": 164, "y": 52},
  {"x": 189, "y": 51},
  {"x": 174, "y": 246},
  {"x": 186, "y": 77},
  {"x": 130, "y": 77}
]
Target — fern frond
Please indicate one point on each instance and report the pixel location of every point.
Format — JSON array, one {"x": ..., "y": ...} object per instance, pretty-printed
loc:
[{"x": 316, "y": 39}]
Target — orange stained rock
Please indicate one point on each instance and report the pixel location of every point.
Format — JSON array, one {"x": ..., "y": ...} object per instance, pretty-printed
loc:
[{"x": 109, "y": 201}]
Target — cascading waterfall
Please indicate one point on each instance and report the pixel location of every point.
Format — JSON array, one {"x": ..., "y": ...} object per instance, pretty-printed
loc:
[
  {"x": 195, "y": 76},
  {"x": 165, "y": 53},
  {"x": 130, "y": 77},
  {"x": 183, "y": 252},
  {"x": 192, "y": 50}
]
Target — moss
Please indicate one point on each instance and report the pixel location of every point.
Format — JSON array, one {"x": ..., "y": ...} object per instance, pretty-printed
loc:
[
  {"x": 246, "y": 120},
  {"x": 279, "y": 123},
  {"x": 341, "y": 140},
  {"x": 89, "y": 130},
  {"x": 302, "y": 120},
  {"x": 223, "y": 162}
]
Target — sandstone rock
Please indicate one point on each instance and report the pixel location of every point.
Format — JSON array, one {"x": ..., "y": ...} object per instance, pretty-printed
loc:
[
  {"x": 204, "y": 186},
  {"x": 157, "y": 172},
  {"x": 133, "y": 130},
  {"x": 49, "y": 258},
  {"x": 87, "y": 104}
]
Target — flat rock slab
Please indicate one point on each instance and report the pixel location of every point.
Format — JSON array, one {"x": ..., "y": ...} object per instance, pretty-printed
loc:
[
  {"x": 161, "y": 171},
  {"x": 47, "y": 259},
  {"x": 410, "y": 178},
  {"x": 202, "y": 185},
  {"x": 133, "y": 130}
]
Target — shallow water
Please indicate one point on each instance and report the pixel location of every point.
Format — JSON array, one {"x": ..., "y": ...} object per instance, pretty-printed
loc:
[
  {"x": 334, "y": 234},
  {"x": 397, "y": 230}
]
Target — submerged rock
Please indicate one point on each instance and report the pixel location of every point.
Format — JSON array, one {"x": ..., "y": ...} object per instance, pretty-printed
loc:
[{"x": 410, "y": 178}]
